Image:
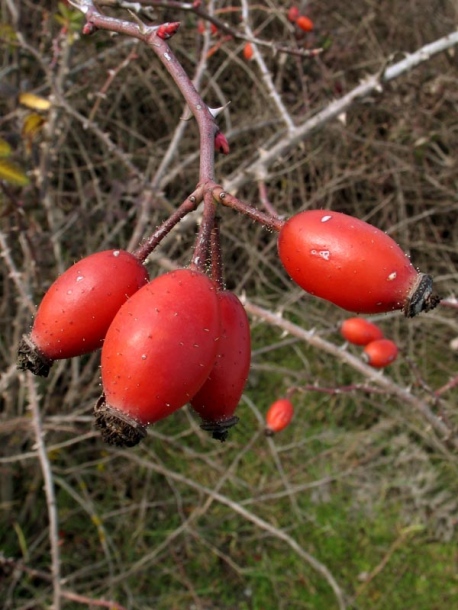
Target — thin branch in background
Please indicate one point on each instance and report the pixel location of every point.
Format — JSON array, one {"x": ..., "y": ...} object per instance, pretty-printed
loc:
[
  {"x": 276, "y": 458},
  {"x": 45, "y": 464},
  {"x": 266, "y": 74},
  {"x": 112, "y": 74},
  {"x": 264, "y": 198},
  {"x": 333, "y": 110},
  {"x": 15, "y": 274},
  {"x": 276, "y": 532},
  {"x": 20, "y": 566}
]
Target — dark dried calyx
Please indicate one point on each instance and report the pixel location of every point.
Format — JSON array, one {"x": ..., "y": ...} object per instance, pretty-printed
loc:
[
  {"x": 421, "y": 297},
  {"x": 117, "y": 428},
  {"x": 29, "y": 358},
  {"x": 219, "y": 430}
]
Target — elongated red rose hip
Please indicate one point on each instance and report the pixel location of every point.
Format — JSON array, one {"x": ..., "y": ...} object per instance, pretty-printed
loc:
[
  {"x": 157, "y": 353},
  {"x": 352, "y": 264},
  {"x": 217, "y": 399},
  {"x": 380, "y": 353},
  {"x": 279, "y": 416},
  {"x": 360, "y": 331},
  {"x": 76, "y": 311}
]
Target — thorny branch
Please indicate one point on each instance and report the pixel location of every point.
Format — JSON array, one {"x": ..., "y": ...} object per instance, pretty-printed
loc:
[
  {"x": 371, "y": 84},
  {"x": 377, "y": 377}
]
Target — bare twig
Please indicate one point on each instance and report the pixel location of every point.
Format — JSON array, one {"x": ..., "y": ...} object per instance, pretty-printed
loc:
[
  {"x": 49, "y": 491},
  {"x": 334, "y": 109},
  {"x": 265, "y": 73}
]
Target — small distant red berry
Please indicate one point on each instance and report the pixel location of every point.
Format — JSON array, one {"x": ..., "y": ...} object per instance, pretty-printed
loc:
[
  {"x": 293, "y": 14},
  {"x": 360, "y": 331},
  {"x": 248, "y": 51},
  {"x": 380, "y": 353},
  {"x": 305, "y": 23},
  {"x": 279, "y": 416}
]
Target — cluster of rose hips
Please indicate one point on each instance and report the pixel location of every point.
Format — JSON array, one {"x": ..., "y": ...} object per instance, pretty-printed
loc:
[
  {"x": 303, "y": 22},
  {"x": 182, "y": 338},
  {"x": 378, "y": 351},
  {"x": 166, "y": 342}
]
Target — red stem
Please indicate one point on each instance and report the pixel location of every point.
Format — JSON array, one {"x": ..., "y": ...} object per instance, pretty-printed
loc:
[
  {"x": 205, "y": 120},
  {"x": 201, "y": 247},
  {"x": 216, "y": 258},
  {"x": 188, "y": 205},
  {"x": 271, "y": 222}
]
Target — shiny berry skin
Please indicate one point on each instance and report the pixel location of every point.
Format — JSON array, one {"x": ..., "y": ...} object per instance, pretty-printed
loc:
[
  {"x": 352, "y": 264},
  {"x": 78, "y": 308},
  {"x": 360, "y": 331},
  {"x": 279, "y": 416},
  {"x": 380, "y": 353},
  {"x": 304, "y": 23},
  {"x": 219, "y": 396},
  {"x": 157, "y": 353}
]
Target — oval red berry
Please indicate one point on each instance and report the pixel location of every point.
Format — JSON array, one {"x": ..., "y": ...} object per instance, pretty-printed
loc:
[
  {"x": 78, "y": 308},
  {"x": 360, "y": 331},
  {"x": 346, "y": 261},
  {"x": 279, "y": 416},
  {"x": 161, "y": 346},
  {"x": 380, "y": 353}
]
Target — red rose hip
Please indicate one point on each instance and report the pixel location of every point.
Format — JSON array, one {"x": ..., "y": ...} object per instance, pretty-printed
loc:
[
  {"x": 352, "y": 264},
  {"x": 279, "y": 416},
  {"x": 304, "y": 23},
  {"x": 380, "y": 353},
  {"x": 360, "y": 331},
  {"x": 219, "y": 396},
  {"x": 157, "y": 353},
  {"x": 76, "y": 311}
]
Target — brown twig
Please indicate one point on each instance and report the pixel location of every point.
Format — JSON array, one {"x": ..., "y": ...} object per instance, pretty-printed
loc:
[
  {"x": 49, "y": 491},
  {"x": 334, "y": 109}
]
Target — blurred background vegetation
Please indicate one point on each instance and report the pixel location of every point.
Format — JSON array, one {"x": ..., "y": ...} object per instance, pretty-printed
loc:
[{"x": 359, "y": 480}]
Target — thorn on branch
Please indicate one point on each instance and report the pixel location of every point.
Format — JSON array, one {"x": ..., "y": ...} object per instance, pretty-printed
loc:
[{"x": 216, "y": 111}]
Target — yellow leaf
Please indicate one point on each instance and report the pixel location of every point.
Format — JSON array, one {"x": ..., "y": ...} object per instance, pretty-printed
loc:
[
  {"x": 32, "y": 125},
  {"x": 5, "y": 148},
  {"x": 36, "y": 102},
  {"x": 10, "y": 172}
]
